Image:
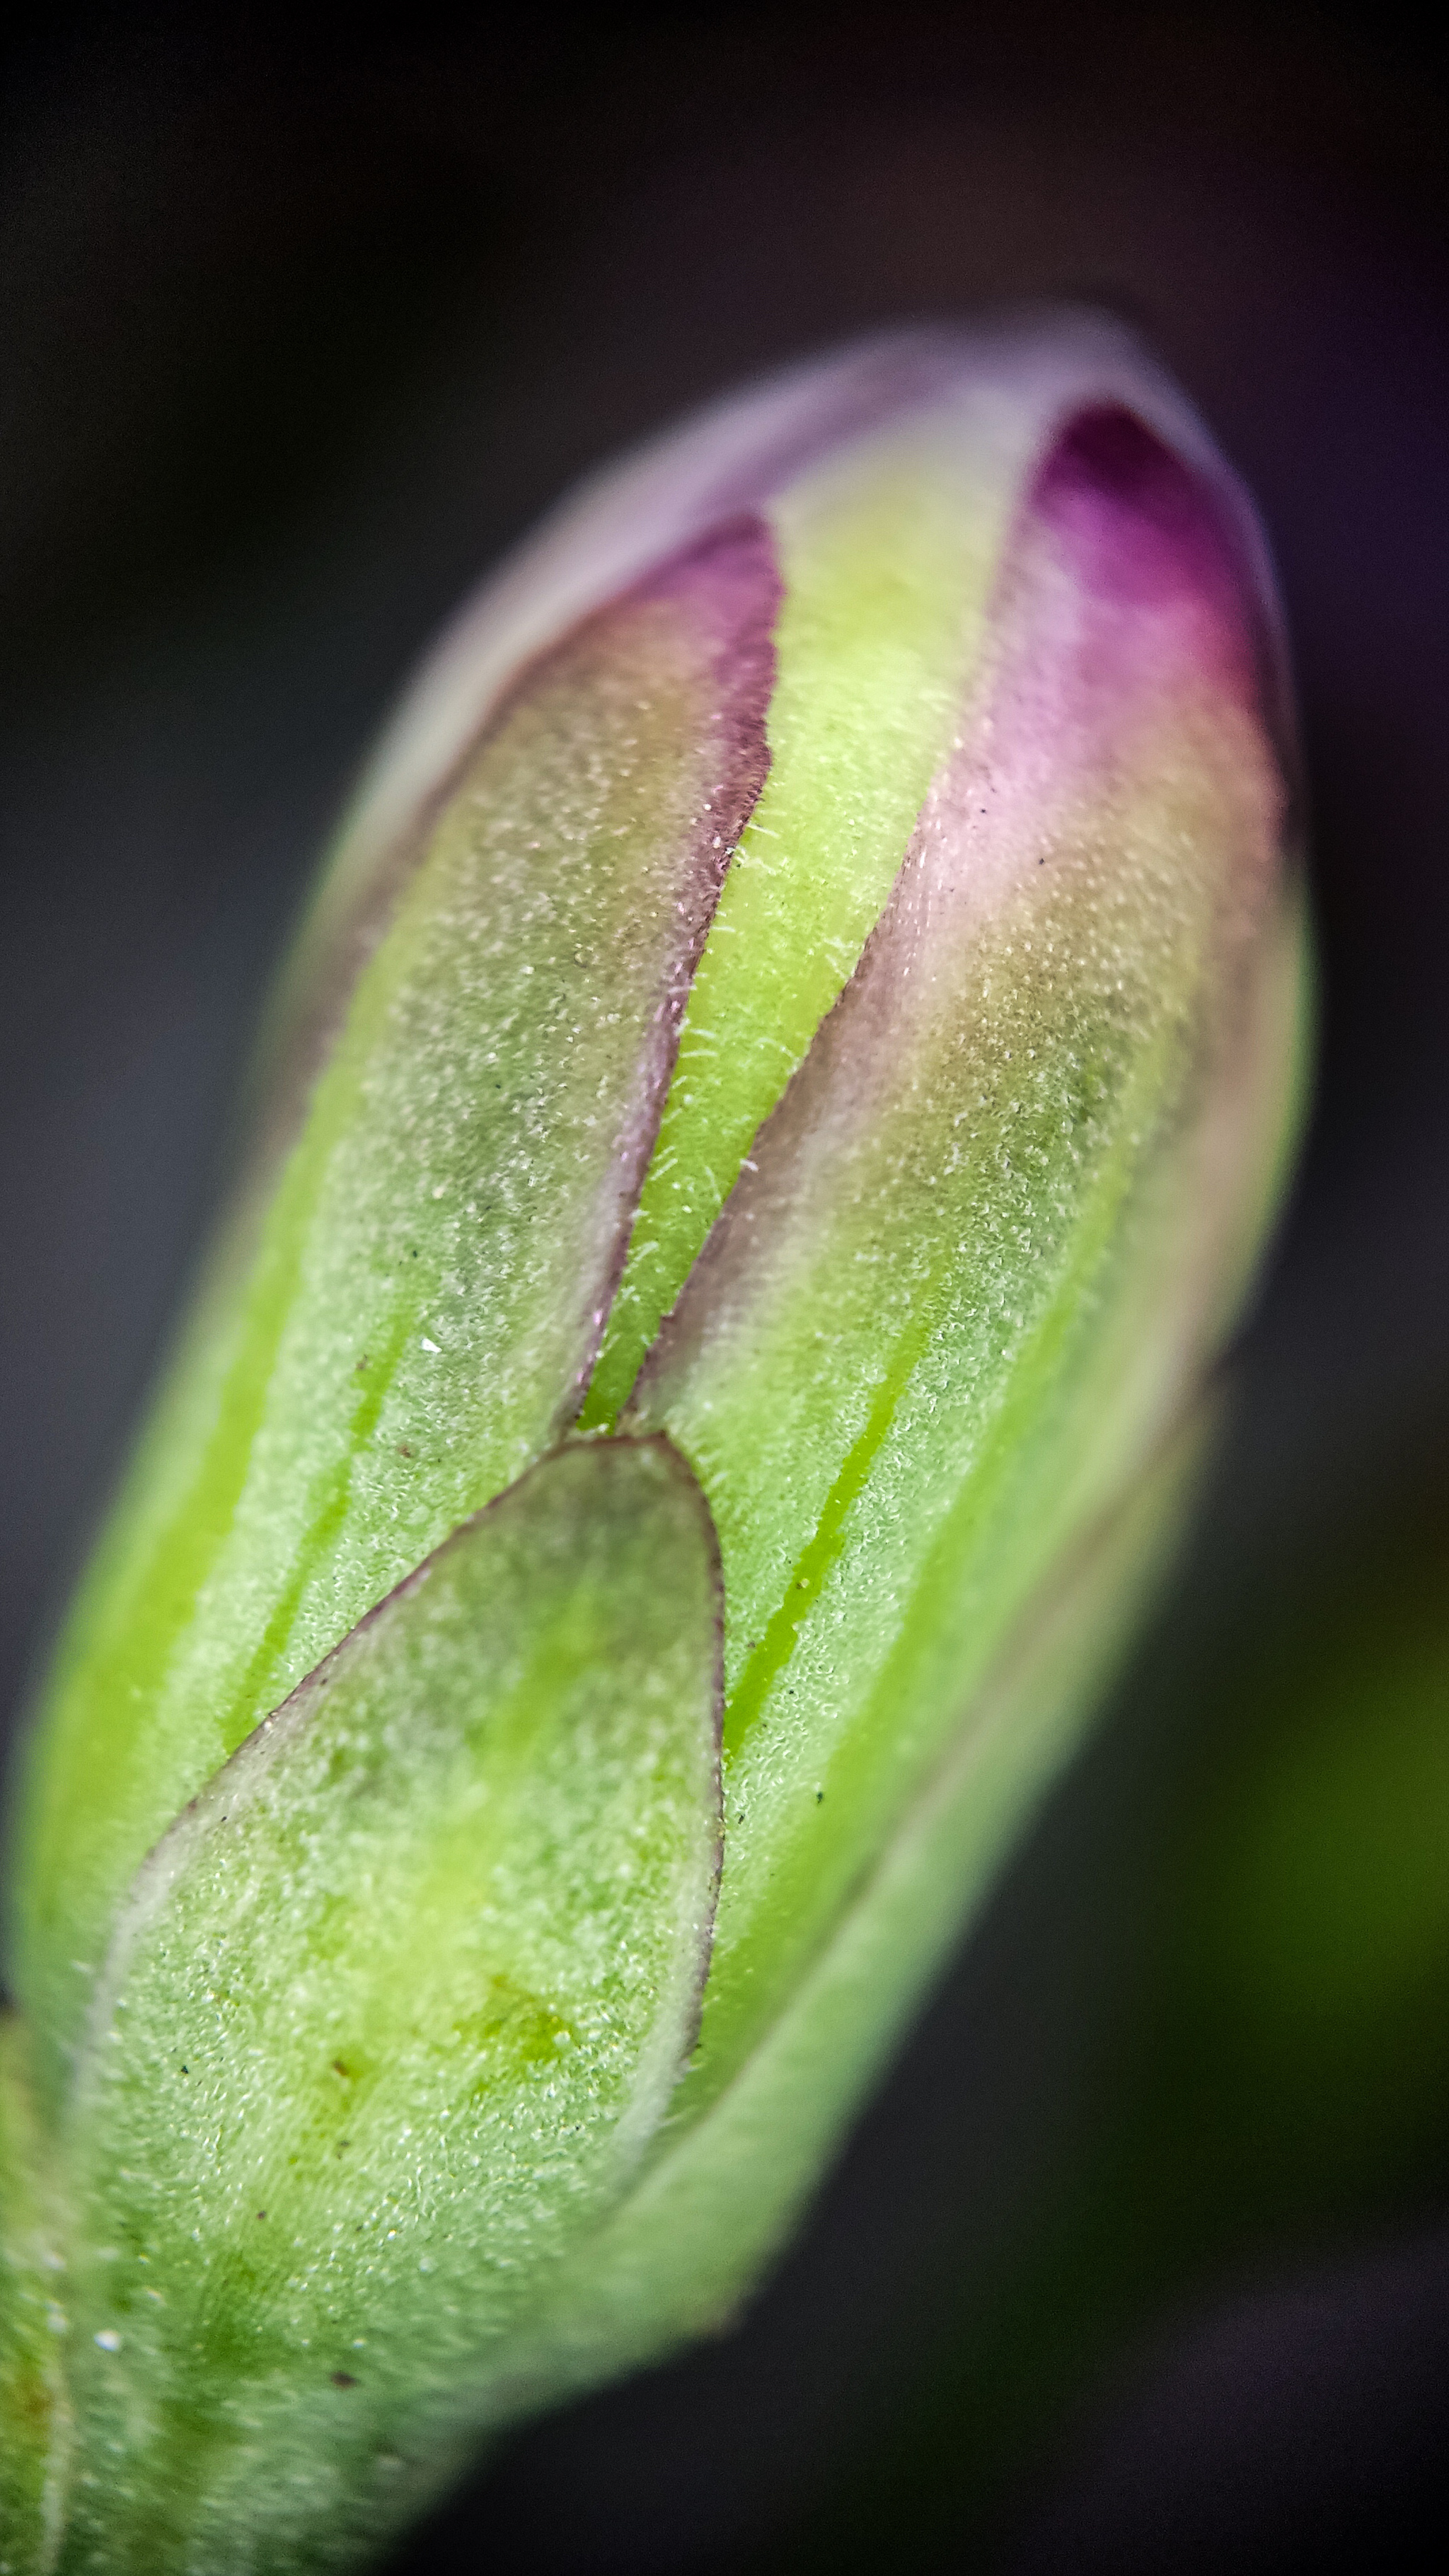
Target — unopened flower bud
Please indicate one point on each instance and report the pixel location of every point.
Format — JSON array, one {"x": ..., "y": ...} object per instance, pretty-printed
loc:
[{"x": 775, "y": 1109}]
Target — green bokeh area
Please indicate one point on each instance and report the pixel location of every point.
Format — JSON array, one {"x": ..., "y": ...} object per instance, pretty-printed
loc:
[
  {"x": 1266, "y": 1905},
  {"x": 1309, "y": 1950},
  {"x": 390, "y": 2018}
]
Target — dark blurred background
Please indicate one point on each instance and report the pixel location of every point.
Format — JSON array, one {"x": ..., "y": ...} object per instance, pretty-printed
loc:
[{"x": 1142, "y": 2261}]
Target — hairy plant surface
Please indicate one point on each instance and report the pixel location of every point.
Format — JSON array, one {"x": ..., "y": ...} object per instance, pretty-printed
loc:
[{"x": 773, "y": 1112}]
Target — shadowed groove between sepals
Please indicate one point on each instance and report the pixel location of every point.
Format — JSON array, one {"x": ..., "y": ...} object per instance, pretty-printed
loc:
[{"x": 733, "y": 575}]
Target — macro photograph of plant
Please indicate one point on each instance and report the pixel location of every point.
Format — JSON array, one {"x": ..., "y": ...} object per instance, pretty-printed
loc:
[{"x": 724, "y": 1373}]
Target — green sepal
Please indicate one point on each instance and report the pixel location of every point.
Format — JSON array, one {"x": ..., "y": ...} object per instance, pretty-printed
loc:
[
  {"x": 391, "y": 2015},
  {"x": 989, "y": 1237},
  {"x": 722, "y": 2192},
  {"x": 413, "y": 1320}
]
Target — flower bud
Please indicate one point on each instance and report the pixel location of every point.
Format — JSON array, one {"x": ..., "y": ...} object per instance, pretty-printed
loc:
[{"x": 798, "y": 1038}]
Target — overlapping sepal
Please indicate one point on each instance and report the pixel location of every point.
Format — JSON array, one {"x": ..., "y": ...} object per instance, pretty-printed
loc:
[{"x": 389, "y": 2018}]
